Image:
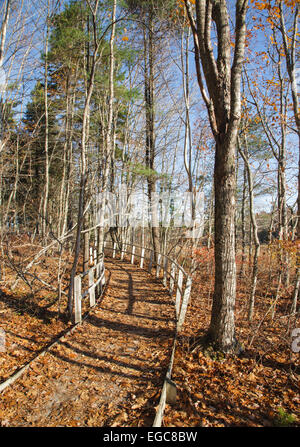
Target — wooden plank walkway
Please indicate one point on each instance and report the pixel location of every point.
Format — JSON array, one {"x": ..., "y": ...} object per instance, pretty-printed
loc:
[{"x": 110, "y": 370}]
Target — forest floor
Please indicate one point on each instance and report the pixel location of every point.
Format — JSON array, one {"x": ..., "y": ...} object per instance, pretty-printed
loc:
[
  {"x": 260, "y": 386},
  {"x": 110, "y": 370}
]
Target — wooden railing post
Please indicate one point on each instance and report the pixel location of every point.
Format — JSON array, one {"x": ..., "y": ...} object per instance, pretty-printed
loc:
[
  {"x": 185, "y": 301},
  {"x": 142, "y": 258},
  {"x": 165, "y": 272},
  {"x": 92, "y": 288},
  {"x": 102, "y": 270},
  {"x": 179, "y": 292},
  {"x": 77, "y": 298},
  {"x": 158, "y": 265},
  {"x": 98, "y": 287},
  {"x": 172, "y": 277},
  {"x": 132, "y": 254}
]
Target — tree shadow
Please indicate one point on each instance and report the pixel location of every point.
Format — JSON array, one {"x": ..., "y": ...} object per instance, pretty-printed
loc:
[
  {"x": 129, "y": 328},
  {"x": 160, "y": 302},
  {"x": 287, "y": 367},
  {"x": 27, "y": 305},
  {"x": 109, "y": 352},
  {"x": 31, "y": 339},
  {"x": 103, "y": 369},
  {"x": 104, "y": 358},
  {"x": 131, "y": 295},
  {"x": 135, "y": 315}
]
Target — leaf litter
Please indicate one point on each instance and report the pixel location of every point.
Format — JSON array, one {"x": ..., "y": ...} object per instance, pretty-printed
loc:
[{"x": 108, "y": 372}]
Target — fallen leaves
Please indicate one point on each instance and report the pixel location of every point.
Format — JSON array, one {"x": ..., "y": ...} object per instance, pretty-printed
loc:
[
  {"x": 233, "y": 391},
  {"x": 109, "y": 371}
]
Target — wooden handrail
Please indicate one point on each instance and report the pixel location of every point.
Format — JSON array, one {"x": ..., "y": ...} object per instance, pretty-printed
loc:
[
  {"x": 93, "y": 287},
  {"x": 150, "y": 249}
]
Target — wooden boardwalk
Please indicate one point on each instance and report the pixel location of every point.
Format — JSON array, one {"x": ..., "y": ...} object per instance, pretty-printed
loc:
[{"x": 110, "y": 370}]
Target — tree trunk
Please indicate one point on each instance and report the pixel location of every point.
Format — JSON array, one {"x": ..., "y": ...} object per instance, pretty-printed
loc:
[
  {"x": 46, "y": 188},
  {"x": 109, "y": 140},
  {"x": 86, "y": 248},
  {"x": 150, "y": 131},
  {"x": 221, "y": 93},
  {"x": 83, "y": 164},
  {"x": 244, "y": 154},
  {"x": 222, "y": 326},
  {"x": 242, "y": 271}
]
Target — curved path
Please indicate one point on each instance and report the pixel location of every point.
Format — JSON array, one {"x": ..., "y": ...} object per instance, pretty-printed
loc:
[{"x": 110, "y": 370}]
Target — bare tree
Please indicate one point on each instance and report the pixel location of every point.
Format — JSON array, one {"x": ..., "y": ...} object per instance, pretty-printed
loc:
[
  {"x": 245, "y": 155},
  {"x": 83, "y": 159},
  {"x": 222, "y": 97}
]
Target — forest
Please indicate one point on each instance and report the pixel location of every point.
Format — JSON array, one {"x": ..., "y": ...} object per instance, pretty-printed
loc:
[{"x": 149, "y": 213}]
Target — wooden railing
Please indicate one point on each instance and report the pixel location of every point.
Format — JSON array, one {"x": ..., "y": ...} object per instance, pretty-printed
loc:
[{"x": 96, "y": 282}]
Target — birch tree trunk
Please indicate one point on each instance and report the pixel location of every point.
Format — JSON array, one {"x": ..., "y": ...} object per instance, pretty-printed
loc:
[
  {"x": 188, "y": 130},
  {"x": 3, "y": 30},
  {"x": 244, "y": 154},
  {"x": 289, "y": 46},
  {"x": 242, "y": 271},
  {"x": 46, "y": 187}
]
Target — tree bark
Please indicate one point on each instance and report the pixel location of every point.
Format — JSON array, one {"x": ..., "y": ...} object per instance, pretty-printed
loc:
[{"x": 222, "y": 327}]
